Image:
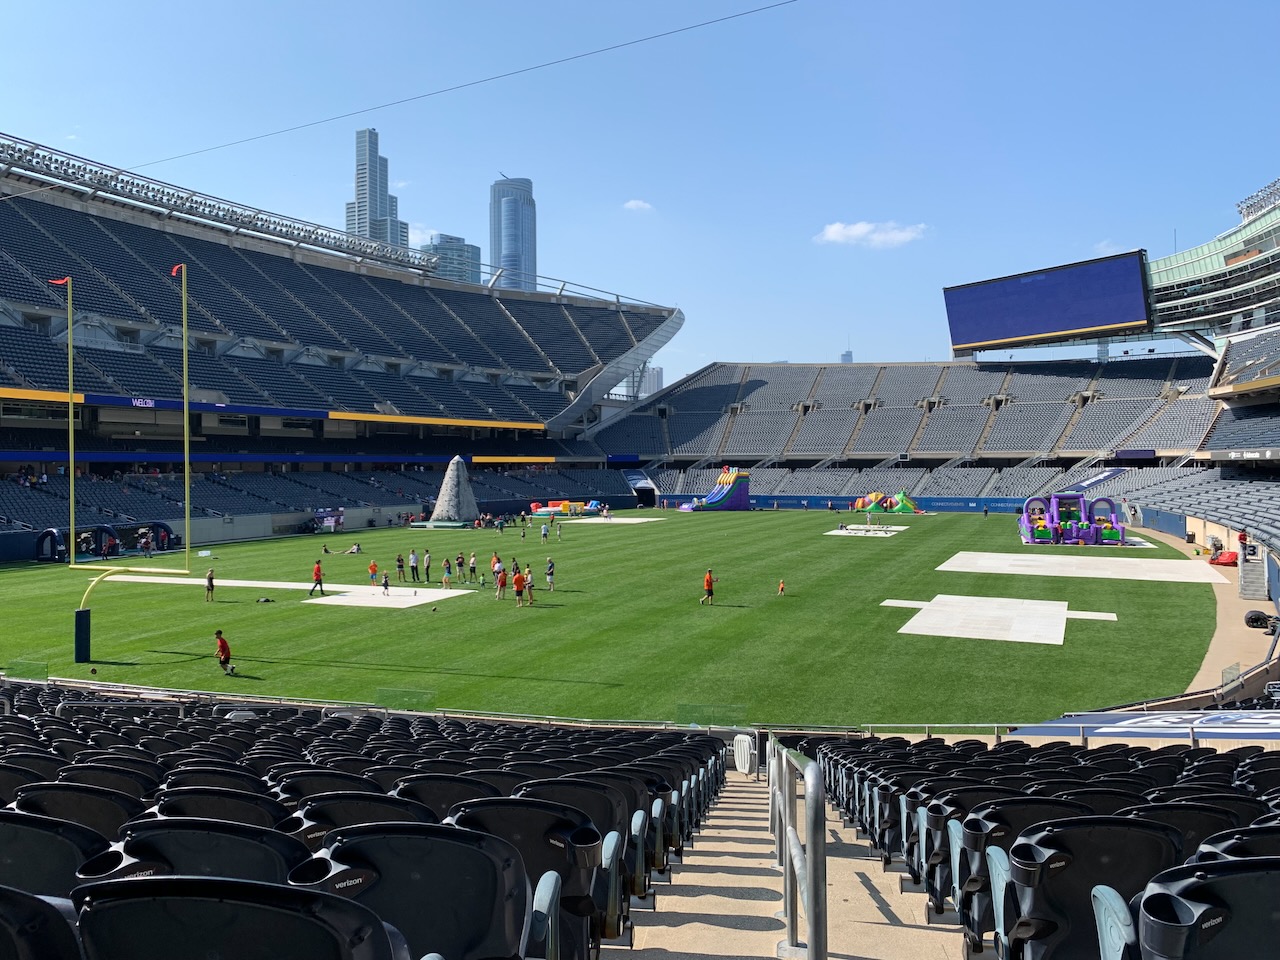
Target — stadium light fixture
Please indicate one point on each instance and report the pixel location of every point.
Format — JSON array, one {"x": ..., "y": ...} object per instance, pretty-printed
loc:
[{"x": 1259, "y": 202}]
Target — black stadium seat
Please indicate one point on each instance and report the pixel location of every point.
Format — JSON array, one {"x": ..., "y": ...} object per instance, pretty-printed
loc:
[
  {"x": 41, "y": 855},
  {"x": 194, "y": 847},
  {"x": 36, "y": 928},
  {"x": 147, "y": 917},
  {"x": 460, "y": 893}
]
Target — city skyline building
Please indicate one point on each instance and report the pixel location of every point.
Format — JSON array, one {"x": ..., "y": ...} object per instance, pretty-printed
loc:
[
  {"x": 846, "y": 357},
  {"x": 644, "y": 382},
  {"x": 375, "y": 213},
  {"x": 457, "y": 260},
  {"x": 513, "y": 233}
]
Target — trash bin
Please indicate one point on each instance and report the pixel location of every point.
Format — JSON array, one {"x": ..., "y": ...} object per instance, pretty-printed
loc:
[
  {"x": 372, "y": 522},
  {"x": 1191, "y": 538}
]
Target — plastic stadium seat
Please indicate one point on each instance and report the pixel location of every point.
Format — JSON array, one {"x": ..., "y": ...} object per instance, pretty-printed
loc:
[
  {"x": 646, "y": 811},
  {"x": 212, "y": 776},
  {"x": 607, "y": 808},
  {"x": 1195, "y": 821},
  {"x": 98, "y": 808},
  {"x": 458, "y": 892},
  {"x": 1054, "y": 867},
  {"x": 200, "y": 848},
  {"x": 1210, "y": 911},
  {"x": 36, "y": 928},
  {"x": 219, "y": 803},
  {"x": 996, "y": 823},
  {"x": 143, "y": 918},
  {"x": 319, "y": 814},
  {"x": 1103, "y": 800},
  {"x": 45, "y": 764},
  {"x": 12, "y": 777},
  {"x": 504, "y": 780},
  {"x": 119, "y": 778},
  {"x": 442, "y": 791},
  {"x": 1239, "y": 844},
  {"x": 911, "y": 805},
  {"x": 551, "y": 837},
  {"x": 295, "y": 785},
  {"x": 41, "y": 855},
  {"x": 934, "y": 848}
]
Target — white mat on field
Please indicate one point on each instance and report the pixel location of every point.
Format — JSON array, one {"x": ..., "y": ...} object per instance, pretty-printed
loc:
[
  {"x": 1084, "y": 564},
  {"x": 993, "y": 618}
]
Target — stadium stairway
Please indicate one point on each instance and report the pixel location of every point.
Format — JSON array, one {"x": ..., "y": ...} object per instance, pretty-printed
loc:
[
  {"x": 1253, "y": 580},
  {"x": 725, "y": 899}
]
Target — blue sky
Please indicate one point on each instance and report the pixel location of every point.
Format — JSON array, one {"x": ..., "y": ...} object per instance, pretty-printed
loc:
[{"x": 796, "y": 181}]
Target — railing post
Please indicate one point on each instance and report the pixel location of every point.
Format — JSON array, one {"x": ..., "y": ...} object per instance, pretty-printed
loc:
[
  {"x": 815, "y": 802},
  {"x": 790, "y": 891}
]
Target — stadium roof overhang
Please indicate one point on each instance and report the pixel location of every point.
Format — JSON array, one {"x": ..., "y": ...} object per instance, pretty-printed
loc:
[{"x": 614, "y": 372}]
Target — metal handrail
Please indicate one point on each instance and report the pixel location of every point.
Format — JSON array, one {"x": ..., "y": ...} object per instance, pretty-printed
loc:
[{"x": 803, "y": 863}]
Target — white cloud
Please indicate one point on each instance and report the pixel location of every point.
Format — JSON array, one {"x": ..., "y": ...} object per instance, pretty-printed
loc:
[
  {"x": 419, "y": 234},
  {"x": 400, "y": 184},
  {"x": 72, "y": 136},
  {"x": 1105, "y": 248},
  {"x": 876, "y": 235},
  {"x": 637, "y": 205}
]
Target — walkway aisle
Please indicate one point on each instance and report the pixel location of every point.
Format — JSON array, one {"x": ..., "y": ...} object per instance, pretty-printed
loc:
[
  {"x": 725, "y": 899},
  {"x": 721, "y": 901},
  {"x": 869, "y": 919}
]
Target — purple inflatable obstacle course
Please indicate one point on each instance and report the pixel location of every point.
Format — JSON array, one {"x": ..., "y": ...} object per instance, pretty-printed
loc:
[{"x": 1071, "y": 518}]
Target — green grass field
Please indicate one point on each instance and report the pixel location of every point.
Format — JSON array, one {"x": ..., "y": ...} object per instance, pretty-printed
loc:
[{"x": 623, "y": 636}]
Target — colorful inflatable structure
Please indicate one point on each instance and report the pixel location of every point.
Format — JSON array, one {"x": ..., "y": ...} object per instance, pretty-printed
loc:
[
  {"x": 883, "y": 503},
  {"x": 1071, "y": 518},
  {"x": 731, "y": 492},
  {"x": 565, "y": 508}
]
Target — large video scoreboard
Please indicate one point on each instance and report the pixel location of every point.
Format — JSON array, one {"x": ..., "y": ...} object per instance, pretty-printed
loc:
[{"x": 1094, "y": 298}]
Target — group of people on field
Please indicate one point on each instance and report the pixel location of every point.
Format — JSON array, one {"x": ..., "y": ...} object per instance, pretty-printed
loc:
[{"x": 521, "y": 580}]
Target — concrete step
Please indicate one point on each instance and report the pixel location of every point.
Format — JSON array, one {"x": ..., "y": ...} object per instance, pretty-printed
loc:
[
  {"x": 725, "y": 899},
  {"x": 1253, "y": 580}
]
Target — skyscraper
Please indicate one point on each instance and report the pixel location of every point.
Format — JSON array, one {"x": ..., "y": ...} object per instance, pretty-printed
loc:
[
  {"x": 513, "y": 233},
  {"x": 374, "y": 213},
  {"x": 459, "y": 260}
]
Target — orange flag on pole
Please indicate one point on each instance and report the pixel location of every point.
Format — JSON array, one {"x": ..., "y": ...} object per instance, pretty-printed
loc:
[
  {"x": 60, "y": 283},
  {"x": 176, "y": 268}
]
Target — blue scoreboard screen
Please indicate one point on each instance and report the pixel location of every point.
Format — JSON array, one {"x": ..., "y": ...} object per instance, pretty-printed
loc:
[{"x": 1096, "y": 298}]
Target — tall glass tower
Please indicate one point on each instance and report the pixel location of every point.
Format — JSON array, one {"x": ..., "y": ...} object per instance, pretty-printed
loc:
[
  {"x": 374, "y": 213},
  {"x": 513, "y": 232},
  {"x": 458, "y": 261}
]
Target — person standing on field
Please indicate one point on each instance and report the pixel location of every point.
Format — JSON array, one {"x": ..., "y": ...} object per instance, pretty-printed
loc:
[
  {"x": 208, "y": 586},
  {"x": 413, "y": 565},
  {"x": 708, "y": 587},
  {"x": 317, "y": 580},
  {"x": 551, "y": 575},
  {"x": 399, "y": 568},
  {"x": 373, "y": 573}
]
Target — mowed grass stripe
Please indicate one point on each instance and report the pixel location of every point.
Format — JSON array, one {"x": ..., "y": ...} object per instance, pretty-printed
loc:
[{"x": 623, "y": 636}]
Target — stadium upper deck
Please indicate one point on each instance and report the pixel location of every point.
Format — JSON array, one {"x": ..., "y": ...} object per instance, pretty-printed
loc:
[{"x": 284, "y": 318}]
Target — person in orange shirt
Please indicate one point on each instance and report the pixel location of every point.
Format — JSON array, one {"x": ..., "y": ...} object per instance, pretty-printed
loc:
[
  {"x": 782, "y": 588},
  {"x": 317, "y": 580},
  {"x": 517, "y": 581},
  {"x": 373, "y": 573},
  {"x": 708, "y": 587},
  {"x": 224, "y": 653}
]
